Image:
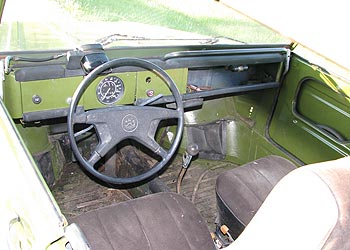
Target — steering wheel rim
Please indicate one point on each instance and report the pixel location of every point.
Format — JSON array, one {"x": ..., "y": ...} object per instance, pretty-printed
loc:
[{"x": 116, "y": 63}]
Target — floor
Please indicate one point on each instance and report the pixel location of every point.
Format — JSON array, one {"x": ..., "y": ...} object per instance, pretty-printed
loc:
[
  {"x": 198, "y": 185},
  {"x": 77, "y": 193}
]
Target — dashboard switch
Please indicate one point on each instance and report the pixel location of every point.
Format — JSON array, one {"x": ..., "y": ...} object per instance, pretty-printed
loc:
[{"x": 150, "y": 93}]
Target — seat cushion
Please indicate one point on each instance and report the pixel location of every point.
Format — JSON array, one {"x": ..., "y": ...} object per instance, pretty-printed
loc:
[
  {"x": 308, "y": 209},
  {"x": 158, "y": 221},
  {"x": 241, "y": 191}
]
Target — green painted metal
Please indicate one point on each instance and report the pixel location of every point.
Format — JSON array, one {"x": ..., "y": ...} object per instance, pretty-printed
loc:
[
  {"x": 2, "y": 5},
  {"x": 246, "y": 117},
  {"x": 252, "y": 111},
  {"x": 148, "y": 81},
  {"x": 12, "y": 96},
  {"x": 212, "y": 110},
  {"x": 27, "y": 207},
  {"x": 292, "y": 131},
  {"x": 35, "y": 138},
  {"x": 37, "y": 141},
  {"x": 54, "y": 93},
  {"x": 315, "y": 96}
]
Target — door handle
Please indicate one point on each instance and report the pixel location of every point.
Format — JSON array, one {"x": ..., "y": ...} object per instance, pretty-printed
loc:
[{"x": 331, "y": 131}]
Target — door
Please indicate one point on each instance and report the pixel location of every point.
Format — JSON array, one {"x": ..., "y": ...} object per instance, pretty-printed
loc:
[{"x": 311, "y": 120}]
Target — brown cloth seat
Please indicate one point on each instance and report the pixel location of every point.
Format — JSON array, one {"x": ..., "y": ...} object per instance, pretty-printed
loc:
[
  {"x": 159, "y": 221},
  {"x": 308, "y": 209},
  {"x": 241, "y": 191}
]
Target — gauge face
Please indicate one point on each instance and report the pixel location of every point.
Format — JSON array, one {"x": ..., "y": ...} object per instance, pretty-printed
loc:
[{"x": 110, "y": 90}]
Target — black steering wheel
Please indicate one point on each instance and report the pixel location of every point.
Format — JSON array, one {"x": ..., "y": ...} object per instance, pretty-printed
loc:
[{"x": 114, "y": 124}]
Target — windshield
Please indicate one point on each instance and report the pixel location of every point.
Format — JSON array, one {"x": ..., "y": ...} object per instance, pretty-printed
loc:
[{"x": 62, "y": 24}]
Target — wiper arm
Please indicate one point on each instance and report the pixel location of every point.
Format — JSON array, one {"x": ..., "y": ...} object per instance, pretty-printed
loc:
[
  {"x": 217, "y": 39},
  {"x": 123, "y": 37},
  {"x": 118, "y": 37}
]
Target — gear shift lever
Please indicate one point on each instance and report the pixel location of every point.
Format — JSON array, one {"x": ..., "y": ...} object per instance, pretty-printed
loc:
[{"x": 191, "y": 150}]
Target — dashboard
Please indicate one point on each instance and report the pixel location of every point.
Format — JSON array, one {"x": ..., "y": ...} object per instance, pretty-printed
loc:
[{"x": 40, "y": 91}]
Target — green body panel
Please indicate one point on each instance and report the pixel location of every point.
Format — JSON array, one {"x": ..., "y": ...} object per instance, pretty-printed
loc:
[
  {"x": 12, "y": 96},
  {"x": 314, "y": 96},
  {"x": 212, "y": 110},
  {"x": 147, "y": 81},
  {"x": 254, "y": 110},
  {"x": 38, "y": 143},
  {"x": 27, "y": 207},
  {"x": 35, "y": 138},
  {"x": 252, "y": 114},
  {"x": 2, "y": 4},
  {"x": 237, "y": 133},
  {"x": 247, "y": 117},
  {"x": 54, "y": 93},
  {"x": 292, "y": 131}
]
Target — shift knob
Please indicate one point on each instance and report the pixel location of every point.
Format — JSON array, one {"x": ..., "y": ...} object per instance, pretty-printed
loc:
[{"x": 192, "y": 149}]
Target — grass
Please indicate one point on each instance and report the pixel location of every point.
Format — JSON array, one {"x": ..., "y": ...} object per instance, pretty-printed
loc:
[
  {"x": 54, "y": 28},
  {"x": 164, "y": 13},
  {"x": 28, "y": 36}
]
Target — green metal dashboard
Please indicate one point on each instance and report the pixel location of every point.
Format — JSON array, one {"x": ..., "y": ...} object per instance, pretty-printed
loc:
[{"x": 40, "y": 91}]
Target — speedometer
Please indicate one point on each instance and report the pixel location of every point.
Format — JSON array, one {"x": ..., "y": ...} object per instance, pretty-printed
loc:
[{"x": 110, "y": 90}]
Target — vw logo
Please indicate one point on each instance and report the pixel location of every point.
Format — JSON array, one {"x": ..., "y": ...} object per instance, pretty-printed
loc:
[{"x": 129, "y": 123}]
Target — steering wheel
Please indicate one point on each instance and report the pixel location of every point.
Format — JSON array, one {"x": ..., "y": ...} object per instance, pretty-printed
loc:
[{"x": 114, "y": 124}]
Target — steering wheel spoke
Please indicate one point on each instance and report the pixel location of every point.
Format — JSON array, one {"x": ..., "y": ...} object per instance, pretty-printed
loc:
[
  {"x": 162, "y": 152},
  {"x": 94, "y": 158},
  {"x": 165, "y": 114},
  {"x": 154, "y": 146},
  {"x": 79, "y": 118},
  {"x": 151, "y": 116}
]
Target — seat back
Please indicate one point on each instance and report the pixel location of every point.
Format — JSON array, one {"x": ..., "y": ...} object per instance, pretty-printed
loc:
[
  {"x": 308, "y": 209},
  {"x": 241, "y": 191}
]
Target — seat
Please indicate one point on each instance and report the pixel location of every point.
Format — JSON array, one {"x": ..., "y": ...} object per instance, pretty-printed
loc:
[
  {"x": 241, "y": 191},
  {"x": 157, "y": 221},
  {"x": 309, "y": 208}
]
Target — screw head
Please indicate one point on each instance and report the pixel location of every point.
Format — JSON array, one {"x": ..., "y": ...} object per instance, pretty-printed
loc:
[{"x": 36, "y": 99}]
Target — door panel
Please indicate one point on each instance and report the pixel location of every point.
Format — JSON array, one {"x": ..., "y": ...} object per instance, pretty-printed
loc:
[
  {"x": 335, "y": 110},
  {"x": 312, "y": 117}
]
